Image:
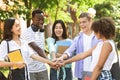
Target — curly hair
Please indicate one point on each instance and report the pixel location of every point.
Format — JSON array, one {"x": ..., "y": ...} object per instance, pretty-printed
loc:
[{"x": 105, "y": 26}]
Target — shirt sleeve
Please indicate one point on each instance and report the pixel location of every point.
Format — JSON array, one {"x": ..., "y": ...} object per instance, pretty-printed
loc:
[
  {"x": 31, "y": 51},
  {"x": 3, "y": 50},
  {"x": 28, "y": 49},
  {"x": 70, "y": 51},
  {"x": 51, "y": 47},
  {"x": 28, "y": 35}
]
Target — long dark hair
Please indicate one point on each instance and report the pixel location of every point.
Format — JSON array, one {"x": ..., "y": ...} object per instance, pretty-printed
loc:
[
  {"x": 7, "y": 34},
  {"x": 64, "y": 35}
]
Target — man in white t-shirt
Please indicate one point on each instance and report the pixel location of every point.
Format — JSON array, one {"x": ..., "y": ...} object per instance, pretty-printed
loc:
[{"x": 34, "y": 35}]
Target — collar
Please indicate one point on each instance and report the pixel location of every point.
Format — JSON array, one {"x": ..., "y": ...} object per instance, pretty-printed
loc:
[{"x": 35, "y": 29}]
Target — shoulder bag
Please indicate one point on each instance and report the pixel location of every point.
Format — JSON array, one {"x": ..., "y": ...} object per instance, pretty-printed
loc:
[{"x": 115, "y": 70}]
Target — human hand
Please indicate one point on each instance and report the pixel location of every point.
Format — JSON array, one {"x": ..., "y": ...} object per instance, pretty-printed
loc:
[
  {"x": 60, "y": 59},
  {"x": 61, "y": 63},
  {"x": 53, "y": 64},
  {"x": 19, "y": 64}
]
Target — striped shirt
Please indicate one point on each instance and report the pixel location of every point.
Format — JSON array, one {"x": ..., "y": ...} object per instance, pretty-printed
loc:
[{"x": 38, "y": 37}]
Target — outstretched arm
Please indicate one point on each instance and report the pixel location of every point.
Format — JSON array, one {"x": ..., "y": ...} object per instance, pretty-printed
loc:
[
  {"x": 44, "y": 60},
  {"x": 79, "y": 56},
  {"x": 40, "y": 52},
  {"x": 12, "y": 64}
]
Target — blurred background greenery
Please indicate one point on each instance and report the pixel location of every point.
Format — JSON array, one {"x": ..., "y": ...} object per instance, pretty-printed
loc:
[{"x": 67, "y": 10}]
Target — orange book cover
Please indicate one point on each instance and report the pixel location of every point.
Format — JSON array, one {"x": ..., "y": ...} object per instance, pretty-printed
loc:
[{"x": 15, "y": 56}]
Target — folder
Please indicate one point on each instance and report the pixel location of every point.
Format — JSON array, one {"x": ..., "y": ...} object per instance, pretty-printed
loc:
[
  {"x": 61, "y": 49},
  {"x": 62, "y": 46},
  {"x": 15, "y": 56}
]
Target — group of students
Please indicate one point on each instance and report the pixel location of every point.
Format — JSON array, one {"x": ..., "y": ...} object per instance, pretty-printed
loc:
[{"x": 93, "y": 48}]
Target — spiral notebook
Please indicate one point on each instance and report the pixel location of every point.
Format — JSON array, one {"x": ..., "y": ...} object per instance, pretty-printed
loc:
[{"x": 15, "y": 56}]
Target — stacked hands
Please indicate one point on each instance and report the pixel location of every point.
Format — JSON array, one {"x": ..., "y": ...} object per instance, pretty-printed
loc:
[
  {"x": 57, "y": 63},
  {"x": 54, "y": 63}
]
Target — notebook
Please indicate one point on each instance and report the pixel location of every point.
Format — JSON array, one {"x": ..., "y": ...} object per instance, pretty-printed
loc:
[
  {"x": 15, "y": 56},
  {"x": 62, "y": 46},
  {"x": 61, "y": 49}
]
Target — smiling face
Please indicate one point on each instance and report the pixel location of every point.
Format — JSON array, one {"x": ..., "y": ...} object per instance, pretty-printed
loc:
[
  {"x": 38, "y": 20},
  {"x": 16, "y": 29},
  {"x": 85, "y": 24},
  {"x": 58, "y": 30}
]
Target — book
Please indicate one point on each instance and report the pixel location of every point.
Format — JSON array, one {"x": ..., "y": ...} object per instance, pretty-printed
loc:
[
  {"x": 15, "y": 56},
  {"x": 62, "y": 46},
  {"x": 61, "y": 49}
]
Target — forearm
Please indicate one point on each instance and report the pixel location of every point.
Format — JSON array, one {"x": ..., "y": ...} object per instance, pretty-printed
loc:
[
  {"x": 58, "y": 55},
  {"x": 7, "y": 64},
  {"x": 53, "y": 54},
  {"x": 41, "y": 59},
  {"x": 64, "y": 56},
  {"x": 74, "y": 59},
  {"x": 38, "y": 49},
  {"x": 95, "y": 73}
]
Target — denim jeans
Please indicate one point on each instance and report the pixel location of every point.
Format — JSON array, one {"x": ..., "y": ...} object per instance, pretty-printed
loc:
[
  {"x": 79, "y": 79},
  {"x": 53, "y": 74}
]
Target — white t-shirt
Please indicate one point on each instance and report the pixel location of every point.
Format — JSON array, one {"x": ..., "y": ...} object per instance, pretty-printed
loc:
[
  {"x": 87, "y": 40},
  {"x": 24, "y": 48},
  {"x": 96, "y": 54},
  {"x": 30, "y": 36},
  {"x": 26, "y": 51}
]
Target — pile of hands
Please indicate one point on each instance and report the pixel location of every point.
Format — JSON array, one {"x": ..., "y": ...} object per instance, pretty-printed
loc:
[{"x": 57, "y": 63}]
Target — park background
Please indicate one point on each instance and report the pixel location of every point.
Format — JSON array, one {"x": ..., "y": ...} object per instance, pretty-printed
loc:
[{"x": 67, "y": 10}]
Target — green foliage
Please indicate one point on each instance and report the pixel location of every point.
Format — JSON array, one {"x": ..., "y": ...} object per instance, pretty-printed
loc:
[
  {"x": 103, "y": 9},
  {"x": 5, "y": 14},
  {"x": 12, "y": 9},
  {"x": 108, "y": 8}
]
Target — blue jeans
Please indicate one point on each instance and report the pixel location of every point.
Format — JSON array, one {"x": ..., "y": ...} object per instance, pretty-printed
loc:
[
  {"x": 79, "y": 79},
  {"x": 53, "y": 74}
]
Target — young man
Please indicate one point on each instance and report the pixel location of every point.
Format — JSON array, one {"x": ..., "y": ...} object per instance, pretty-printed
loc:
[
  {"x": 34, "y": 35},
  {"x": 84, "y": 41}
]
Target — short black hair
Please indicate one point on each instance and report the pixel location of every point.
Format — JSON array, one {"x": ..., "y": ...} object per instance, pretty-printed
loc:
[{"x": 36, "y": 11}]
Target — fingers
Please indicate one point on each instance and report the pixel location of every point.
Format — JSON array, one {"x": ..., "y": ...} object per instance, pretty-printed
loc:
[
  {"x": 56, "y": 63},
  {"x": 19, "y": 65}
]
